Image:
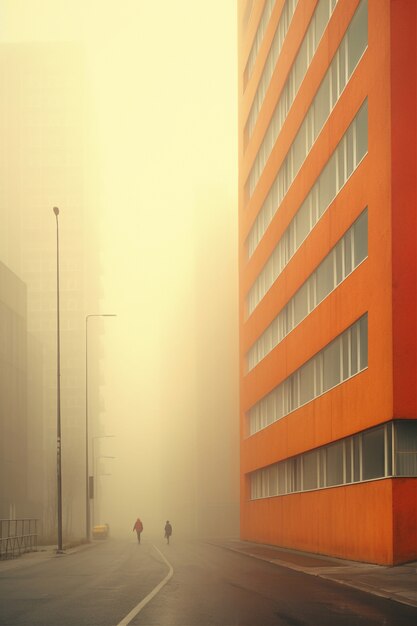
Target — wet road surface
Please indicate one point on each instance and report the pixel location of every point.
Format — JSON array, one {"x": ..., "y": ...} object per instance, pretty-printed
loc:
[{"x": 210, "y": 586}]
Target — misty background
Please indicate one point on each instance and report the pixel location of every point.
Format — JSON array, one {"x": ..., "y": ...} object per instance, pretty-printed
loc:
[{"x": 124, "y": 116}]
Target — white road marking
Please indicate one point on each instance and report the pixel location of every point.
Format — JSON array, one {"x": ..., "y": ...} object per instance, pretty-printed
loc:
[{"x": 126, "y": 620}]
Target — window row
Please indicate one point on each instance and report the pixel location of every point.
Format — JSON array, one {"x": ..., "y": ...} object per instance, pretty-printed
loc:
[
  {"x": 271, "y": 61},
  {"x": 296, "y": 75},
  {"x": 342, "y": 66},
  {"x": 259, "y": 36},
  {"x": 382, "y": 452},
  {"x": 341, "y": 359},
  {"x": 345, "y": 159},
  {"x": 348, "y": 253}
]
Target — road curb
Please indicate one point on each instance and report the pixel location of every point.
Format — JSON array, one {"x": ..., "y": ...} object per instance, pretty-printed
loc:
[{"x": 360, "y": 586}]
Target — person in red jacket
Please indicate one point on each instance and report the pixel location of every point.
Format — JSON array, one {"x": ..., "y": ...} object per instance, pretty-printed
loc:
[{"x": 138, "y": 527}]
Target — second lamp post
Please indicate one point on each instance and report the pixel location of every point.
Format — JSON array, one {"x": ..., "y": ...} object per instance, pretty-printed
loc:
[{"x": 87, "y": 499}]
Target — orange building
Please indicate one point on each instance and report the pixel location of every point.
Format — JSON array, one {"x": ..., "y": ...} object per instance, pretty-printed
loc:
[{"x": 327, "y": 246}]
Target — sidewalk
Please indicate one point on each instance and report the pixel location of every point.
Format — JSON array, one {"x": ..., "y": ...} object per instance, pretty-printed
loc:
[
  {"x": 397, "y": 583},
  {"x": 43, "y": 553}
]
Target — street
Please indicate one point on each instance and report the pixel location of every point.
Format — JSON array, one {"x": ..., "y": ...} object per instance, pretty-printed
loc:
[{"x": 210, "y": 586}]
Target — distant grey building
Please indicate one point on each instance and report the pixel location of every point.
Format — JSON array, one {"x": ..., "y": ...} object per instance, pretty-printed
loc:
[
  {"x": 14, "y": 441},
  {"x": 42, "y": 164}
]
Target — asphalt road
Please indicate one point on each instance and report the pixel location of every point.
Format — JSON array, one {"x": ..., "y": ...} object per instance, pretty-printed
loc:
[{"x": 210, "y": 586}]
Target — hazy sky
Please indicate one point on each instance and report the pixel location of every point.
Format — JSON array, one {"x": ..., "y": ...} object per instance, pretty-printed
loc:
[{"x": 162, "y": 134}]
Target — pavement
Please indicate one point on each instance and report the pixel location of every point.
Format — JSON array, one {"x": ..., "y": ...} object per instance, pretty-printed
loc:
[{"x": 397, "y": 583}]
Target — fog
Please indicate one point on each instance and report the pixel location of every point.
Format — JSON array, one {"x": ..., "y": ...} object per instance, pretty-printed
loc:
[{"x": 124, "y": 115}]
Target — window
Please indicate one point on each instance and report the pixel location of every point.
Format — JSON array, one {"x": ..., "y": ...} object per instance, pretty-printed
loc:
[
  {"x": 362, "y": 132},
  {"x": 331, "y": 365},
  {"x": 373, "y": 457},
  {"x": 325, "y": 278},
  {"x": 299, "y": 69},
  {"x": 315, "y": 377},
  {"x": 280, "y": 33},
  {"x": 307, "y": 388},
  {"x": 361, "y": 457},
  {"x": 357, "y": 36},
  {"x": 322, "y": 195},
  {"x": 406, "y": 448},
  {"x": 333, "y": 269},
  {"x": 328, "y": 94},
  {"x": 334, "y": 464},
  {"x": 360, "y": 237},
  {"x": 310, "y": 467}
]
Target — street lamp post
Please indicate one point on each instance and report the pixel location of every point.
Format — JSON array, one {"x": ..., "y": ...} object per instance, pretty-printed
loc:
[
  {"x": 58, "y": 430},
  {"x": 87, "y": 502}
]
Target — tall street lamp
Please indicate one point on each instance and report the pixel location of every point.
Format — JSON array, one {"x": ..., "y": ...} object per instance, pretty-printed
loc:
[
  {"x": 87, "y": 502},
  {"x": 58, "y": 421}
]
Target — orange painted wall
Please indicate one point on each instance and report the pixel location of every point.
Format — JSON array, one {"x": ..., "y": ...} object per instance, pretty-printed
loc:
[
  {"x": 404, "y": 204},
  {"x": 404, "y": 506},
  {"x": 361, "y": 521},
  {"x": 349, "y": 407},
  {"x": 350, "y": 522}
]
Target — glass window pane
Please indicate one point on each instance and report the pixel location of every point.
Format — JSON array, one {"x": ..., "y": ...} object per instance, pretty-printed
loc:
[
  {"x": 331, "y": 365},
  {"x": 270, "y": 408},
  {"x": 350, "y": 147},
  {"x": 307, "y": 382},
  {"x": 301, "y": 64},
  {"x": 320, "y": 20},
  {"x": 310, "y": 463},
  {"x": 406, "y": 448},
  {"x": 388, "y": 451},
  {"x": 360, "y": 229},
  {"x": 325, "y": 278},
  {"x": 363, "y": 330},
  {"x": 342, "y": 66},
  {"x": 322, "y": 105},
  {"x": 322, "y": 468},
  {"x": 333, "y": 81},
  {"x": 341, "y": 161},
  {"x": 373, "y": 456},
  {"x": 348, "y": 252},
  {"x": 302, "y": 224},
  {"x": 294, "y": 386},
  {"x": 334, "y": 464},
  {"x": 281, "y": 479},
  {"x": 358, "y": 35},
  {"x": 273, "y": 480},
  {"x": 301, "y": 304},
  {"x": 297, "y": 470},
  {"x": 362, "y": 132},
  {"x": 279, "y": 402},
  {"x": 290, "y": 475},
  {"x": 353, "y": 349},
  {"x": 338, "y": 257},
  {"x": 299, "y": 148},
  {"x": 348, "y": 460},
  {"x": 327, "y": 185},
  {"x": 356, "y": 458}
]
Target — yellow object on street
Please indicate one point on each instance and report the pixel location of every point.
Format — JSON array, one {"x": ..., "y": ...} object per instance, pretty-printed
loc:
[{"x": 101, "y": 531}]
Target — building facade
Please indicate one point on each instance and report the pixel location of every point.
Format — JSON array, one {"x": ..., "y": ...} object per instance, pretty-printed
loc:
[
  {"x": 327, "y": 253},
  {"x": 42, "y": 164},
  {"x": 14, "y": 442}
]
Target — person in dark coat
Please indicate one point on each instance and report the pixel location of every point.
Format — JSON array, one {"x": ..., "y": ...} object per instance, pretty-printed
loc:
[
  {"x": 168, "y": 531},
  {"x": 138, "y": 527}
]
